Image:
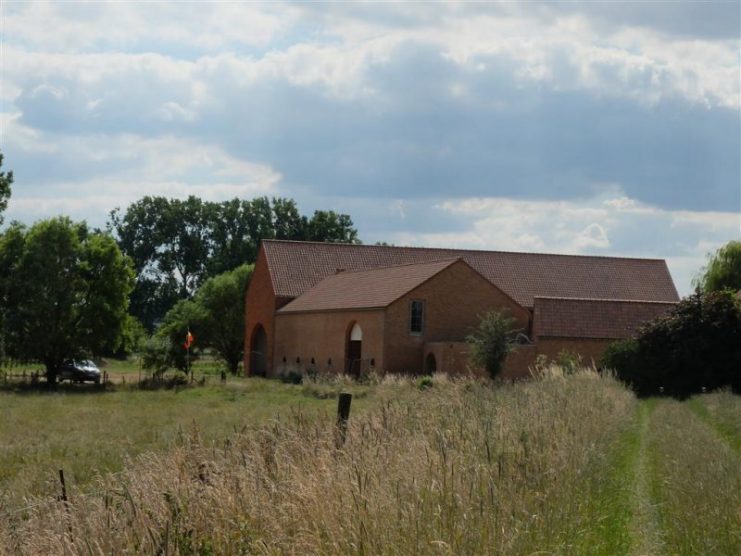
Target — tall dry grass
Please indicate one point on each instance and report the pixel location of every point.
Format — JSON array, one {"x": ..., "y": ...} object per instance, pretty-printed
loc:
[{"x": 458, "y": 468}]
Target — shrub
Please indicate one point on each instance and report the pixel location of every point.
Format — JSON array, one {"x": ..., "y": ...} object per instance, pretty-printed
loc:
[
  {"x": 569, "y": 361},
  {"x": 624, "y": 358},
  {"x": 490, "y": 343},
  {"x": 156, "y": 356},
  {"x": 697, "y": 345},
  {"x": 425, "y": 382}
]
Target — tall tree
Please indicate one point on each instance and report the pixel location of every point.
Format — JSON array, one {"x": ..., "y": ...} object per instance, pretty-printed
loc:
[
  {"x": 168, "y": 240},
  {"x": 6, "y": 179},
  {"x": 723, "y": 270},
  {"x": 69, "y": 289},
  {"x": 288, "y": 222},
  {"x": 329, "y": 226},
  {"x": 222, "y": 299},
  {"x": 215, "y": 316},
  {"x": 11, "y": 248},
  {"x": 176, "y": 245}
]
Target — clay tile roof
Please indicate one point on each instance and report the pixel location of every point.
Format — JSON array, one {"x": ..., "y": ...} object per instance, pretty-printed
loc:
[
  {"x": 297, "y": 266},
  {"x": 365, "y": 289},
  {"x": 593, "y": 318}
]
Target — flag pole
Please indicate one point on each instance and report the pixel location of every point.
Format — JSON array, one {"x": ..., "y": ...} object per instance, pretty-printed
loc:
[{"x": 187, "y": 356}]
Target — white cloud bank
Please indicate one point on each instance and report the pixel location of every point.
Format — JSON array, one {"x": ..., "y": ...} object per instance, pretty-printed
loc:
[
  {"x": 606, "y": 224},
  {"x": 103, "y": 103}
]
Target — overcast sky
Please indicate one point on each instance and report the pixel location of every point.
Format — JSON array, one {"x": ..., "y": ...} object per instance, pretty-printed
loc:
[{"x": 583, "y": 127}]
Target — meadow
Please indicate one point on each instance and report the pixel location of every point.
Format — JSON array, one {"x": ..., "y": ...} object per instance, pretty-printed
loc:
[{"x": 564, "y": 464}]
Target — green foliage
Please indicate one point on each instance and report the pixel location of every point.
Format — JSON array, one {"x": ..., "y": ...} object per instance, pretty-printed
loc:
[
  {"x": 66, "y": 291},
  {"x": 623, "y": 357},
  {"x": 697, "y": 345},
  {"x": 329, "y": 226},
  {"x": 215, "y": 316},
  {"x": 425, "y": 383},
  {"x": 156, "y": 355},
  {"x": 133, "y": 337},
  {"x": 6, "y": 180},
  {"x": 569, "y": 361},
  {"x": 723, "y": 270},
  {"x": 222, "y": 301},
  {"x": 184, "y": 316},
  {"x": 490, "y": 343},
  {"x": 176, "y": 245}
]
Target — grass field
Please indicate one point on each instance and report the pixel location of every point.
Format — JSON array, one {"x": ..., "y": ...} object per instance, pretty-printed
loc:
[
  {"x": 561, "y": 465},
  {"x": 86, "y": 431}
]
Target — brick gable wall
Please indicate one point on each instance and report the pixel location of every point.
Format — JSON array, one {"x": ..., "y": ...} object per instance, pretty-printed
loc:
[
  {"x": 260, "y": 307},
  {"x": 454, "y": 300}
]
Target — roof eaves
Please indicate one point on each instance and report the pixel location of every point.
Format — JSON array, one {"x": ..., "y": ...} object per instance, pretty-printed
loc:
[
  {"x": 282, "y": 310},
  {"x": 604, "y": 300}
]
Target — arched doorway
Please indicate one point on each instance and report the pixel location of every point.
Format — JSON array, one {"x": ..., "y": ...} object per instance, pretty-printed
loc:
[
  {"x": 354, "y": 349},
  {"x": 258, "y": 351},
  {"x": 430, "y": 364}
]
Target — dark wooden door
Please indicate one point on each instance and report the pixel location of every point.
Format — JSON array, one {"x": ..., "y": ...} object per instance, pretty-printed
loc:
[{"x": 354, "y": 353}]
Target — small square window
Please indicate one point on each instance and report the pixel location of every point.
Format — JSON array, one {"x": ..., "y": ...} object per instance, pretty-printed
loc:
[{"x": 416, "y": 317}]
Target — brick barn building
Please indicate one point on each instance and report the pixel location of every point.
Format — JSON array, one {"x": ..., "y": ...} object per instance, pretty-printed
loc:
[{"x": 346, "y": 308}]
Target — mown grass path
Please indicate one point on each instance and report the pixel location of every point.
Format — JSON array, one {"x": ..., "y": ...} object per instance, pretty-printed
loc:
[
  {"x": 686, "y": 482},
  {"x": 645, "y": 528}
]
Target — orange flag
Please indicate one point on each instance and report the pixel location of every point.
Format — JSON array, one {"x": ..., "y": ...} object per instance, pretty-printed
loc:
[{"x": 189, "y": 339}]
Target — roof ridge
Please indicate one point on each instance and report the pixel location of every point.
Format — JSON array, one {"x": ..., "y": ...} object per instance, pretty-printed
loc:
[{"x": 423, "y": 248}]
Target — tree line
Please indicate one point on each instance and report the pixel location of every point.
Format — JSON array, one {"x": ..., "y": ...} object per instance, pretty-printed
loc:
[
  {"x": 160, "y": 267},
  {"x": 175, "y": 245}
]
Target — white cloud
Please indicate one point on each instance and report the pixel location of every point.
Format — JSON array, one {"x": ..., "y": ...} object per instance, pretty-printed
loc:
[
  {"x": 73, "y": 27},
  {"x": 607, "y": 224},
  {"x": 567, "y": 52},
  {"x": 127, "y": 167},
  {"x": 118, "y": 100}
]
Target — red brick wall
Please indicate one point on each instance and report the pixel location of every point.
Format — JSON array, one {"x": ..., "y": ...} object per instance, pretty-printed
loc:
[
  {"x": 518, "y": 363},
  {"x": 322, "y": 336},
  {"x": 453, "y": 358},
  {"x": 260, "y": 305},
  {"x": 450, "y": 358},
  {"x": 591, "y": 349},
  {"x": 454, "y": 300}
]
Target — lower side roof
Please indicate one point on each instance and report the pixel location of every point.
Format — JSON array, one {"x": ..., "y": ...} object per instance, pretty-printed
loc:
[{"x": 593, "y": 318}]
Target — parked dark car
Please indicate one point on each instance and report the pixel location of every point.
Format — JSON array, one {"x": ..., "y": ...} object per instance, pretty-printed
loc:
[{"x": 79, "y": 370}]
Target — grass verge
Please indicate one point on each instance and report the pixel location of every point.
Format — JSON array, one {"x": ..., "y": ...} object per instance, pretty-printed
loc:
[{"x": 722, "y": 411}]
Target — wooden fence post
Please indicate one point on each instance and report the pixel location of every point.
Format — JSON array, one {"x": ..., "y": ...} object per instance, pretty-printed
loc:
[
  {"x": 66, "y": 503},
  {"x": 64, "y": 487},
  {"x": 343, "y": 414}
]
